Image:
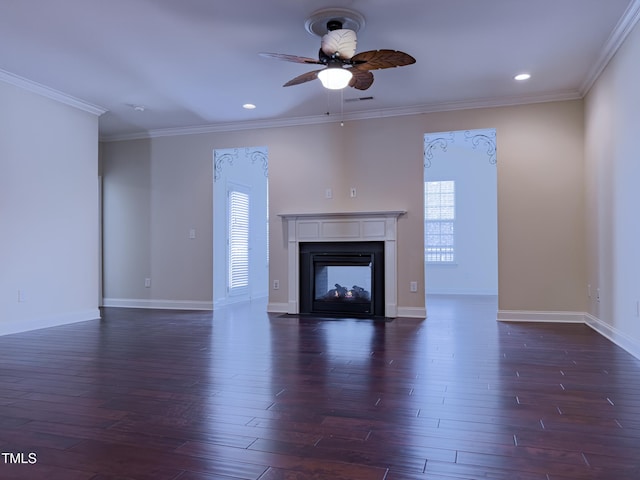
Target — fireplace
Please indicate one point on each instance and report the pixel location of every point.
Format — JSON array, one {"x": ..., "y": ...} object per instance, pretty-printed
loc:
[
  {"x": 343, "y": 228},
  {"x": 342, "y": 278}
]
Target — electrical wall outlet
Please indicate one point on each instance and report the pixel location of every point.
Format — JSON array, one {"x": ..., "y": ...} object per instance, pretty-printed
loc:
[
  {"x": 413, "y": 286},
  {"x": 352, "y": 192},
  {"x": 276, "y": 284},
  {"x": 147, "y": 282},
  {"x": 328, "y": 193}
]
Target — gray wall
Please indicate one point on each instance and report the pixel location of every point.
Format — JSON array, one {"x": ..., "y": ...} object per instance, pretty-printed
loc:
[
  {"x": 612, "y": 116},
  {"x": 49, "y": 212}
]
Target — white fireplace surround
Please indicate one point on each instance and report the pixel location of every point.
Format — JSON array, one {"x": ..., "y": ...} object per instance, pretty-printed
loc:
[{"x": 343, "y": 227}]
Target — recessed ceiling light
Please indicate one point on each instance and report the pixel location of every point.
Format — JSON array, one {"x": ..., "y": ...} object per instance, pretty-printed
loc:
[
  {"x": 249, "y": 106},
  {"x": 522, "y": 76}
]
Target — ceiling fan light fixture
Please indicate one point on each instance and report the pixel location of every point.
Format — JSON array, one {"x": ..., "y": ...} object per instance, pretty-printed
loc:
[{"x": 335, "y": 78}]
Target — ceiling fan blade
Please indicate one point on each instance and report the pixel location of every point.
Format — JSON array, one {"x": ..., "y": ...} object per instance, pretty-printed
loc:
[
  {"x": 376, "y": 59},
  {"x": 362, "y": 79},
  {"x": 290, "y": 58},
  {"x": 305, "y": 77}
]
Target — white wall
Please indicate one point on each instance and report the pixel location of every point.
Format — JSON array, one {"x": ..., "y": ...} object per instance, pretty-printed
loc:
[
  {"x": 49, "y": 246},
  {"x": 612, "y": 117}
]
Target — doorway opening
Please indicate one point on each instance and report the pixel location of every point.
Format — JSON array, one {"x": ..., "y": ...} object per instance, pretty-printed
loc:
[
  {"x": 461, "y": 213},
  {"x": 240, "y": 225}
]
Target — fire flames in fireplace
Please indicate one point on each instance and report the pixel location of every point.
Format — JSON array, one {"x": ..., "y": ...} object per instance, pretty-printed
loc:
[{"x": 344, "y": 294}]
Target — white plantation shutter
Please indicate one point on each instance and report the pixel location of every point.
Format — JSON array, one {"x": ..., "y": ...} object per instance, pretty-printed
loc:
[{"x": 238, "y": 267}]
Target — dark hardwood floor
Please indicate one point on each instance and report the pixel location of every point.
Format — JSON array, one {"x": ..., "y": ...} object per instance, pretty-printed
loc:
[{"x": 239, "y": 394}]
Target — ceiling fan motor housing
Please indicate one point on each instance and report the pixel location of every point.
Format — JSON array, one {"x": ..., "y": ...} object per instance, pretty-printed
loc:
[{"x": 340, "y": 43}]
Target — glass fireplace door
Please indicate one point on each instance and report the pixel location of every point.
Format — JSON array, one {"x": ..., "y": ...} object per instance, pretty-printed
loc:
[
  {"x": 342, "y": 283},
  {"x": 342, "y": 278}
]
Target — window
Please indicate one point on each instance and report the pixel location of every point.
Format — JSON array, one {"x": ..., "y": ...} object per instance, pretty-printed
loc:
[
  {"x": 238, "y": 268},
  {"x": 439, "y": 217}
]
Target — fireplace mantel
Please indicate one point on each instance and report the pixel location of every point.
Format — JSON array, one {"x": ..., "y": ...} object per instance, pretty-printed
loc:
[
  {"x": 377, "y": 213},
  {"x": 343, "y": 227}
]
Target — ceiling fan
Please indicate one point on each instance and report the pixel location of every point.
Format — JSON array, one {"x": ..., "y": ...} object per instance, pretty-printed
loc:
[{"x": 343, "y": 67}]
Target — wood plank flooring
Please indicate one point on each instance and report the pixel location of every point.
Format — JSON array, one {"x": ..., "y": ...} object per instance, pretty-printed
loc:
[{"x": 240, "y": 394}]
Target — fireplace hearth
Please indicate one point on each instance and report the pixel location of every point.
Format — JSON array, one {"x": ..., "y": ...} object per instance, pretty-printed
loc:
[{"x": 342, "y": 278}]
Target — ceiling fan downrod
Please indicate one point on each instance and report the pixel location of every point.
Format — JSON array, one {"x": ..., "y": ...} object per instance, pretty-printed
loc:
[{"x": 334, "y": 25}]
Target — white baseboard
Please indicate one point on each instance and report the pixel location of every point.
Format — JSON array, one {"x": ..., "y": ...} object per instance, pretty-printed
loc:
[
  {"x": 7, "y": 328},
  {"x": 159, "y": 304},
  {"x": 412, "y": 312},
  {"x": 540, "y": 316},
  {"x": 619, "y": 338},
  {"x": 275, "y": 307},
  {"x": 622, "y": 340}
]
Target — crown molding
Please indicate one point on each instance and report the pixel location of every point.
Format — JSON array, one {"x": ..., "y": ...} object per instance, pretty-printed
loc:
[
  {"x": 216, "y": 128},
  {"x": 619, "y": 34},
  {"x": 50, "y": 93},
  {"x": 466, "y": 105},
  {"x": 366, "y": 115}
]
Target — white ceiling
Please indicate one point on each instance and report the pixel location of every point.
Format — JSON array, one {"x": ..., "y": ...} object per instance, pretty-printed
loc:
[{"x": 193, "y": 63}]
